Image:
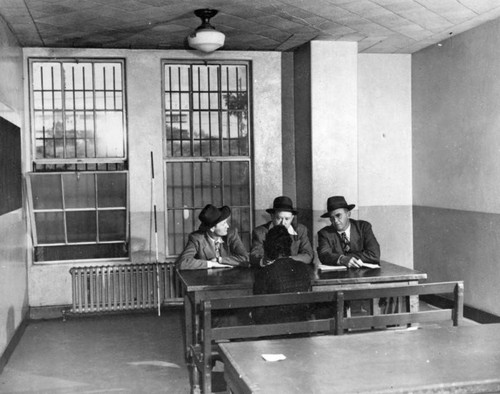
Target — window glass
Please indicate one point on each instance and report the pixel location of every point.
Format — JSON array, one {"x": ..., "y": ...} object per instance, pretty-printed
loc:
[
  {"x": 50, "y": 227},
  {"x": 79, "y": 191},
  {"x": 90, "y": 108},
  {"x": 81, "y": 226}
]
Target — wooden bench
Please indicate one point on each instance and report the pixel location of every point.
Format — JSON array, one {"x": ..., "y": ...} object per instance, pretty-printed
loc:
[
  {"x": 453, "y": 314},
  {"x": 203, "y": 354}
]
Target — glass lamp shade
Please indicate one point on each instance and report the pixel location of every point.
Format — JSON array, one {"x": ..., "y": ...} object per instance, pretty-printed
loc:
[{"x": 206, "y": 40}]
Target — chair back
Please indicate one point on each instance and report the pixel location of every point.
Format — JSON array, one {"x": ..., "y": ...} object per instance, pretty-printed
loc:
[{"x": 454, "y": 313}]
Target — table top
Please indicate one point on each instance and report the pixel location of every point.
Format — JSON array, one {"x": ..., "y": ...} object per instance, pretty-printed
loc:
[
  {"x": 462, "y": 359},
  {"x": 388, "y": 272},
  {"x": 242, "y": 278}
]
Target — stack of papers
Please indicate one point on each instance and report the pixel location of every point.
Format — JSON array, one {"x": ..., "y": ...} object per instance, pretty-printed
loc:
[{"x": 325, "y": 268}]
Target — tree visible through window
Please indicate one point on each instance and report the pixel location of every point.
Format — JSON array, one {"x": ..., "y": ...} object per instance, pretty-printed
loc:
[
  {"x": 207, "y": 145},
  {"x": 78, "y": 188}
]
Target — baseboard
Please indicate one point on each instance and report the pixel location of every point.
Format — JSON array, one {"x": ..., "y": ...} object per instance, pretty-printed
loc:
[
  {"x": 64, "y": 311},
  {"x": 471, "y": 313},
  {"x": 48, "y": 312},
  {"x": 18, "y": 334}
]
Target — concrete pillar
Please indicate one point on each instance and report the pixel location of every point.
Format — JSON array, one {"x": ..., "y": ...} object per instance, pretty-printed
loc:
[{"x": 326, "y": 127}]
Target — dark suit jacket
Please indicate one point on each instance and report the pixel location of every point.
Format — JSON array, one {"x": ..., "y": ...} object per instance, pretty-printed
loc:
[
  {"x": 200, "y": 248},
  {"x": 301, "y": 246},
  {"x": 364, "y": 245},
  {"x": 285, "y": 275}
]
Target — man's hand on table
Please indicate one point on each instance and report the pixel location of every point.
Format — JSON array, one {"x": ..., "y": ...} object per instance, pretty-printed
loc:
[
  {"x": 213, "y": 263},
  {"x": 351, "y": 262}
]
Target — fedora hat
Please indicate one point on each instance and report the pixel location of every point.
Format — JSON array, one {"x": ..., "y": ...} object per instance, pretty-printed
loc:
[
  {"x": 211, "y": 215},
  {"x": 334, "y": 203},
  {"x": 282, "y": 203}
]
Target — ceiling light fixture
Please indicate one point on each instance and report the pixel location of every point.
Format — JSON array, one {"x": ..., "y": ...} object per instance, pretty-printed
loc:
[{"x": 205, "y": 38}]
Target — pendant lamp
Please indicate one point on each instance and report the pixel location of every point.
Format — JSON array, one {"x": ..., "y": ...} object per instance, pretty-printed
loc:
[{"x": 205, "y": 38}]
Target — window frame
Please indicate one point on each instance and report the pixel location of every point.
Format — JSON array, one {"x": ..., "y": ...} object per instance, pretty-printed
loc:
[
  {"x": 80, "y": 165},
  {"x": 200, "y": 159},
  {"x": 76, "y": 160},
  {"x": 64, "y": 210}
]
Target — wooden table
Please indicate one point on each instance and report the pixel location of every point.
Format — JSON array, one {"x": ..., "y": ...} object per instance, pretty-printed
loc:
[
  {"x": 462, "y": 359},
  {"x": 388, "y": 275},
  {"x": 201, "y": 285}
]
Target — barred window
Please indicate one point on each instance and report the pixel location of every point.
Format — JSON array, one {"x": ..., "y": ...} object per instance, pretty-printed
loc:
[
  {"x": 78, "y": 190},
  {"x": 78, "y": 113},
  {"x": 207, "y": 145}
]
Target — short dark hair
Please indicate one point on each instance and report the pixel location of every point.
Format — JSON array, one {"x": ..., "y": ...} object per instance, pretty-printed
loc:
[{"x": 277, "y": 243}]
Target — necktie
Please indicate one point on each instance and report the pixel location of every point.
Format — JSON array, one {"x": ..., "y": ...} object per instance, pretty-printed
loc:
[
  {"x": 346, "y": 245},
  {"x": 217, "y": 248}
]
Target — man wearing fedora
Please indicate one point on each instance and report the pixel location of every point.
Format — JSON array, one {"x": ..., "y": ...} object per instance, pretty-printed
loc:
[
  {"x": 214, "y": 244},
  {"x": 346, "y": 241},
  {"x": 282, "y": 213}
]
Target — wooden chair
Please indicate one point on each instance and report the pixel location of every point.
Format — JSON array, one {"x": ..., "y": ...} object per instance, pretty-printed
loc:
[
  {"x": 455, "y": 313},
  {"x": 204, "y": 353}
]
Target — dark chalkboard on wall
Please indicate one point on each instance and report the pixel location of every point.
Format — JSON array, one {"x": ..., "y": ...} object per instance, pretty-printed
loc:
[{"x": 10, "y": 167}]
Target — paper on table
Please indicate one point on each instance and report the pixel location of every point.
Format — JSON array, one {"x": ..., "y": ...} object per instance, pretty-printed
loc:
[
  {"x": 323, "y": 267},
  {"x": 273, "y": 357},
  {"x": 369, "y": 265}
]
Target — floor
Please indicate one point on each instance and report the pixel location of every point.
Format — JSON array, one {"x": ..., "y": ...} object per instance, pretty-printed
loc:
[{"x": 134, "y": 353}]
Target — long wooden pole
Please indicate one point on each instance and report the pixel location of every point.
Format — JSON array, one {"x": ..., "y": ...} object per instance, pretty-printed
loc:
[{"x": 156, "y": 233}]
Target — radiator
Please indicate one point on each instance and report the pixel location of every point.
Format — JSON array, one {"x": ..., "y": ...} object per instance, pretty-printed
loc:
[{"x": 123, "y": 287}]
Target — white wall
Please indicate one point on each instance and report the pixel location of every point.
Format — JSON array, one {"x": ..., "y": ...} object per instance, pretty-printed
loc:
[
  {"x": 384, "y": 152},
  {"x": 13, "y": 241},
  {"x": 49, "y": 284},
  {"x": 456, "y": 162}
]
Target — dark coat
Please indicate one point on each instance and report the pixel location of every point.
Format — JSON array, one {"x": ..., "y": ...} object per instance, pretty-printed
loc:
[
  {"x": 285, "y": 275},
  {"x": 364, "y": 245},
  {"x": 301, "y": 246}
]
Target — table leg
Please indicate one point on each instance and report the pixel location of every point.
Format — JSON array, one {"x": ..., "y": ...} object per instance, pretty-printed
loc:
[{"x": 188, "y": 321}]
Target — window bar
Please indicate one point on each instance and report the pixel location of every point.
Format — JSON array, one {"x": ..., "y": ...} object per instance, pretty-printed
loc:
[
  {"x": 114, "y": 87},
  {"x": 65, "y": 224},
  {"x": 97, "y": 238},
  {"x": 179, "y": 112},
  {"x": 190, "y": 109},
  {"x": 104, "y": 88},
  {"x": 74, "y": 109},
  {"x": 171, "y": 138},
  {"x": 222, "y": 185},
  {"x": 228, "y": 112},
  {"x": 63, "y": 117},
  {"x": 44, "y": 138},
  {"x": 238, "y": 113},
  {"x": 181, "y": 138},
  {"x": 209, "y": 110},
  {"x": 84, "y": 81},
  {"x": 199, "y": 113},
  {"x": 182, "y": 198},
  {"x": 232, "y": 190},
  {"x": 53, "y": 121},
  {"x": 219, "y": 110},
  {"x": 94, "y": 112}
]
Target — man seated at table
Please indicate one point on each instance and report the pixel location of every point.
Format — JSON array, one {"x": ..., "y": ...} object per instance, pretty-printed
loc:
[
  {"x": 281, "y": 274},
  {"x": 346, "y": 241},
  {"x": 214, "y": 244},
  {"x": 282, "y": 213}
]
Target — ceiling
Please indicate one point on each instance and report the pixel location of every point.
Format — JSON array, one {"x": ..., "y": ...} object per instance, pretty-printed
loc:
[{"x": 379, "y": 26}]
